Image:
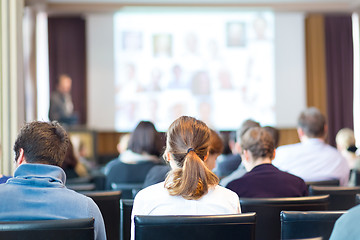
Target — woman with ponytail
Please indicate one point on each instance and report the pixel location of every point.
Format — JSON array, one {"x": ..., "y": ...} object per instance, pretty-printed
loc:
[{"x": 190, "y": 187}]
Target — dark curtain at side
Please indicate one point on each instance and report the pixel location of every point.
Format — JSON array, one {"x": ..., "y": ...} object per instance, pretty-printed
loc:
[
  {"x": 67, "y": 55},
  {"x": 339, "y": 72}
]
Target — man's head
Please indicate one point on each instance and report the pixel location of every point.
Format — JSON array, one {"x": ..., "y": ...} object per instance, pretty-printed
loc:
[
  {"x": 42, "y": 142},
  {"x": 311, "y": 123},
  {"x": 64, "y": 83}
]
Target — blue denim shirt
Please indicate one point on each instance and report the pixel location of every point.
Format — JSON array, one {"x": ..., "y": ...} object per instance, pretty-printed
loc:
[{"x": 37, "y": 192}]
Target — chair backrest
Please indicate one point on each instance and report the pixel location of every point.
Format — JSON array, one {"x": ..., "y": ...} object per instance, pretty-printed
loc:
[
  {"x": 357, "y": 198},
  {"x": 310, "y": 224},
  {"x": 237, "y": 226},
  {"x": 126, "y": 206},
  {"x": 341, "y": 198},
  {"x": 69, "y": 229},
  {"x": 109, "y": 205},
  {"x": 268, "y": 211},
  {"x": 129, "y": 190},
  {"x": 128, "y": 173},
  {"x": 333, "y": 182}
]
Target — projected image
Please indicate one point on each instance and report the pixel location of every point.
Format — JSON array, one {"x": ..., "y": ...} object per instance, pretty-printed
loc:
[{"x": 218, "y": 67}]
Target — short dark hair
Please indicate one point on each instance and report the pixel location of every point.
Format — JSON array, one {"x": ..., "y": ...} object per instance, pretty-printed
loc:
[
  {"x": 259, "y": 142},
  {"x": 42, "y": 142},
  {"x": 246, "y": 125},
  {"x": 145, "y": 139},
  {"x": 312, "y": 122}
]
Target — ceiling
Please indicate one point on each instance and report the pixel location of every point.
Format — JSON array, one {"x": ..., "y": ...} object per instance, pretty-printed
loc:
[{"x": 84, "y": 6}]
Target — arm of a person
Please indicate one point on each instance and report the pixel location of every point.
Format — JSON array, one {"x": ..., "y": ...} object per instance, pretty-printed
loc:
[{"x": 99, "y": 226}]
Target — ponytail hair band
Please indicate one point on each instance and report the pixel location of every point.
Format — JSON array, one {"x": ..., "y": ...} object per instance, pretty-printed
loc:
[{"x": 190, "y": 149}]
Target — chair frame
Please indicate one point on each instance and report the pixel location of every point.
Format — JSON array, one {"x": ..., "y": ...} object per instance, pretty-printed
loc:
[
  {"x": 70, "y": 229},
  {"x": 211, "y": 227},
  {"x": 268, "y": 224},
  {"x": 308, "y": 224}
]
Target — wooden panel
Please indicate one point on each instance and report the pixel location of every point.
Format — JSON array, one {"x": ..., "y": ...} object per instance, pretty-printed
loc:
[
  {"x": 315, "y": 62},
  {"x": 107, "y": 142},
  {"x": 288, "y": 136}
]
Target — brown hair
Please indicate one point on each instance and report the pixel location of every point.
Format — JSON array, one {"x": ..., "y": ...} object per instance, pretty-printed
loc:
[
  {"x": 216, "y": 143},
  {"x": 188, "y": 141},
  {"x": 42, "y": 142},
  {"x": 259, "y": 142}
]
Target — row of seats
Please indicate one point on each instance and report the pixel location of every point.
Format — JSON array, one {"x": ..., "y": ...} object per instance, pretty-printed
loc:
[
  {"x": 294, "y": 225},
  {"x": 275, "y": 218},
  {"x": 340, "y": 198}
]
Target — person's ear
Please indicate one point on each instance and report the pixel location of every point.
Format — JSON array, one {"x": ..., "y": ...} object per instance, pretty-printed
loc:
[
  {"x": 168, "y": 157},
  {"x": 206, "y": 156},
  {"x": 300, "y": 132},
  {"x": 245, "y": 154},
  {"x": 238, "y": 148},
  {"x": 274, "y": 154},
  {"x": 21, "y": 159}
]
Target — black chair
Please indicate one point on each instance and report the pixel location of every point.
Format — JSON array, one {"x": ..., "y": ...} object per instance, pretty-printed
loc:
[
  {"x": 268, "y": 211},
  {"x": 129, "y": 190},
  {"x": 341, "y": 198},
  {"x": 108, "y": 203},
  {"x": 69, "y": 229},
  {"x": 296, "y": 225},
  {"x": 81, "y": 187},
  {"x": 126, "y": 206},
  {"x": 333, "y": 182},
  {"x": 237, "y": 226},
  {"x": 357, "y": 198}
]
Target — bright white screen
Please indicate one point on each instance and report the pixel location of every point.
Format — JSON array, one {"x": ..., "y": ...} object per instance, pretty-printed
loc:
[{"x": 215, "y": 66}]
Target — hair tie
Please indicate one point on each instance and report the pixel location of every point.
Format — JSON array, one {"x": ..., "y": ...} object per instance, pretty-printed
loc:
[
  {"x": 352, "y": 148},
  {"x": 190, "y": 149}
]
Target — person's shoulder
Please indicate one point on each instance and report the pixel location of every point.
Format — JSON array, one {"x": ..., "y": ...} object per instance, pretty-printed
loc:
[
  {"x": 152, "y": 190},
  {"x": 236, "y": 182},
  {"x": 288, "y": 147},
  {"x": 226, "y": 193}
]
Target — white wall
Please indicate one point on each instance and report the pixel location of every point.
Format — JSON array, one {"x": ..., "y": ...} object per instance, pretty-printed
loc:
[
  {"x": 290, "y": 71},
  {"x": 100, "y": 71}
]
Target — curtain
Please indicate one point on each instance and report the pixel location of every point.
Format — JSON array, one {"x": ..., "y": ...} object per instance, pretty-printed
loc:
[{"x": 339, "y": 73}]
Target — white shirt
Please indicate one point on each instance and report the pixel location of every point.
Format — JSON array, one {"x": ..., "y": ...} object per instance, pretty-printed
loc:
[
  {"x": 156, "y": 200},
  {"x": 313, "y": 160}
]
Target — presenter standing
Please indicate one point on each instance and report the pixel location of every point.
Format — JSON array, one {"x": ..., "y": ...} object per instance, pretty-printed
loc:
[{"x": 61, "y": 105}]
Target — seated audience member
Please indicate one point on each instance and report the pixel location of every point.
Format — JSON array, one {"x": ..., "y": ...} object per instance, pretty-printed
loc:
[
  {"x": 240, "y": 171},
  {"x": 71, "y": 165},
  {"x": 142, "y": 154},
  {"x": 347, "y": 226},
  {"x": 3, "y": 178},
  {"x": 345, "y": 143},
  {"x": 263, "y": 179},
  {"x": 37, "y": 191},
  {"x": 312, "y": 159},
  {"x": 121, "y": 148},
  {"x": 187, "y": 150},
  {"x": 158, "y": 173},
  {"x": 229, "y": 160}
]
